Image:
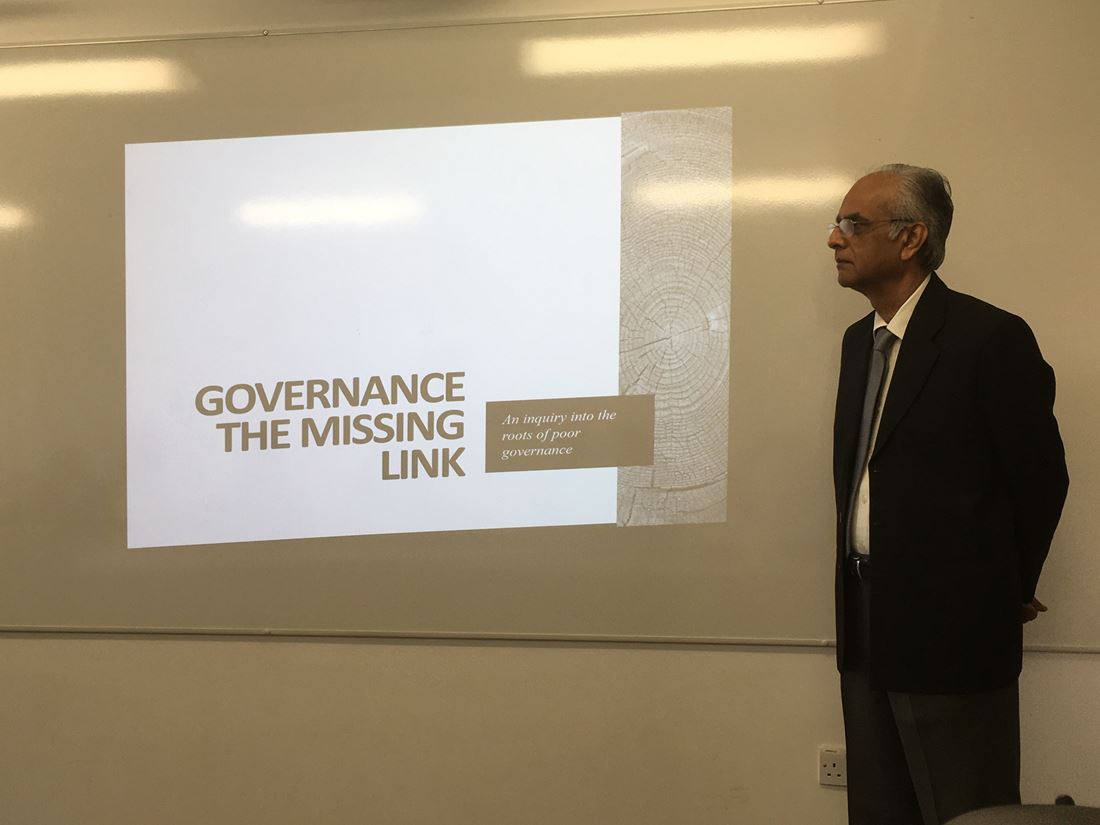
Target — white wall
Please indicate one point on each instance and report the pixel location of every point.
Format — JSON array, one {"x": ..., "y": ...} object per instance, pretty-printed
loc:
[{"x": 100, "y": 730}]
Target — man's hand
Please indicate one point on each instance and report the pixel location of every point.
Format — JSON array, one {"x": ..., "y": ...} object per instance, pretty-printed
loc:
[{"x": 1031, "y": 610}]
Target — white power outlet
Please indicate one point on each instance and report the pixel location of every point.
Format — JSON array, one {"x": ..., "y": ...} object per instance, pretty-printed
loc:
[{"x": 832, "y": 765}]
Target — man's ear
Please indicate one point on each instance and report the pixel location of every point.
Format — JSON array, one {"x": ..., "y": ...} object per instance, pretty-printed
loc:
[{"x": 912, "y": 240}]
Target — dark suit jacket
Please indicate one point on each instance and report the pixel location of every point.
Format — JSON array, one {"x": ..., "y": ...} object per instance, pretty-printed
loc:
[{"x": 967, "y": 477}]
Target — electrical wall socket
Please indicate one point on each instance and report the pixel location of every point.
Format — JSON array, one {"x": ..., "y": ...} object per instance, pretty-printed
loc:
[{"x": 832, "y": 765}]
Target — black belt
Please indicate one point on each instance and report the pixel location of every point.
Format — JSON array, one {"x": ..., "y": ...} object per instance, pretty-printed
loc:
[{"x": 859, "y": 566}]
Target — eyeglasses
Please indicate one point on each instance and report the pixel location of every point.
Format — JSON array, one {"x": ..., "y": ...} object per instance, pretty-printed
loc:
[{"x": 849, "y": 226}]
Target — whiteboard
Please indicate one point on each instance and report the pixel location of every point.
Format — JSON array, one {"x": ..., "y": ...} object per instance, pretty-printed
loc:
[{"x": 999, "y": 96}]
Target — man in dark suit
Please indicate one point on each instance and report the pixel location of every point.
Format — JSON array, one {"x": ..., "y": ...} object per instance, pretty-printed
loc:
[{"x": 950, "y": 478}]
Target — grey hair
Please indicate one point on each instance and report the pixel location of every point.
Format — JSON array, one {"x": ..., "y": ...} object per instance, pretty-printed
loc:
[{"x": 923, "y": 195}]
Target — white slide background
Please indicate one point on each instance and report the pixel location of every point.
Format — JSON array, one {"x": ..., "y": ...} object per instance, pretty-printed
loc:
[{"x": 491, "y": 250}]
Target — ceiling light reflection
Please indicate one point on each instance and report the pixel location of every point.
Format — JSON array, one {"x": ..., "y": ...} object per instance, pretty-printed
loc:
[
  {"x": 811, "y": 191},
  {"x": 56, "y": 78},
  {"x": 801, "y": 190},
  {"x": 331, "y": 211},
  {"x": 689, "y": 50},
  {"x": 12, "y": 217},
  {"x": 685, "y": 194}
]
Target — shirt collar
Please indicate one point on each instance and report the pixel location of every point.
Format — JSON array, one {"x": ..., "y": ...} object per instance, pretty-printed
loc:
[{"x": 901, "y": 318}]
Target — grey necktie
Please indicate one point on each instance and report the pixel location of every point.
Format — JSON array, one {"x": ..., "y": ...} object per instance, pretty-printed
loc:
[{"x": 884, "y": 339}]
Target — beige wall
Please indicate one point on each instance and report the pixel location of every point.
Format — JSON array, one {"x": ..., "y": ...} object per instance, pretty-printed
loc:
[{"x": 207, "y": 731}]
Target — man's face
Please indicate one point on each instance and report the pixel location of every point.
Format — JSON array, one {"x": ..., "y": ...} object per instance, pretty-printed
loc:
[{"x": 867, "y": 258}]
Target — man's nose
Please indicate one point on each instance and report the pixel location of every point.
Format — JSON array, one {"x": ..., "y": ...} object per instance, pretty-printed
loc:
[{"x": 836, "y": 238}]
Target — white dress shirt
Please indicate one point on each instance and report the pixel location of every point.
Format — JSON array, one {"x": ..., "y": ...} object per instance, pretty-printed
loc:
[{"x": 861, "y": 514}]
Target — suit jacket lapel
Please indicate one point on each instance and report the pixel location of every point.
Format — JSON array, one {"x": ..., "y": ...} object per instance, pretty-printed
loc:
[
  {"x": 915, "y": 359},
  {"x": 855, "y": 358}
]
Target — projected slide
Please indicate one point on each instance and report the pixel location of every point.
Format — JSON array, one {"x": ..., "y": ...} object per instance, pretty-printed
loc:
[{"x": 438, "y": 329}]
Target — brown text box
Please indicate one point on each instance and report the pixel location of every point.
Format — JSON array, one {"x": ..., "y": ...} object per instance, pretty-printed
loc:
[{"x": 567, "y": 433}]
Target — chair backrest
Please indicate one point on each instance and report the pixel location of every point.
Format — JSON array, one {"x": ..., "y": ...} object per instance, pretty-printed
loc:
[{"x": 1030, "y": 815}]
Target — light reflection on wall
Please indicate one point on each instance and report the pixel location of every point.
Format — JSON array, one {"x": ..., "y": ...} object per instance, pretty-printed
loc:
[
  {"x": 62, "y": 78},
  {"x": 332, "y": 211},
  {"x": 12, "y": 218},
  {"x": 815, "y": 191},
  {"x": 693, "y": 50}
]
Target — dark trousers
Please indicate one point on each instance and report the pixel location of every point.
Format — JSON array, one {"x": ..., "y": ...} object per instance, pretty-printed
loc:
[{"x": 917, "y": 758}]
